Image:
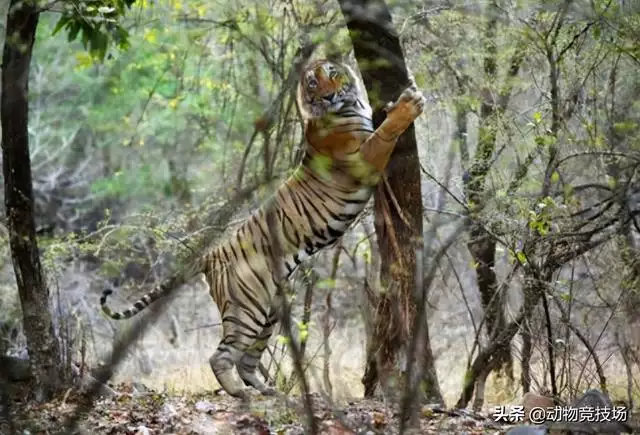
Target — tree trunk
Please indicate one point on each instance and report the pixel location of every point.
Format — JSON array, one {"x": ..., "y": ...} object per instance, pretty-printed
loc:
[
  {"x": 482, "y": 245},
  {"x": 34, "y": 295},
  {"x": 527, "y": 352},
  {"x": 398, "y": 220}
]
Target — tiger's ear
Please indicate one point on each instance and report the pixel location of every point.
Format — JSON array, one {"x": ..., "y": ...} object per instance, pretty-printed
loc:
[
  {"x": 336, "y": 57},
  {"x": 338, "y": 49},
  {"x": 342, "y": 57},
  {"x": 345, "y": 59}
]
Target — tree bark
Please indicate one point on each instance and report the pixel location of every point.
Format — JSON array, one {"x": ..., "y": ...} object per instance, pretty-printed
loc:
[
  {"x": 43, "y": 347},
  {"x": 398, "y": 206}
]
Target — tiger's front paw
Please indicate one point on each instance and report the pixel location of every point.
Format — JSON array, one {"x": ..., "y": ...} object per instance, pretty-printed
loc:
[{"x": 409, "y": 106}]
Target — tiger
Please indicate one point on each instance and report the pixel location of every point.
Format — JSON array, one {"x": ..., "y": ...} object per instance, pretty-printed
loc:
[{"x": 344, "y": 159}]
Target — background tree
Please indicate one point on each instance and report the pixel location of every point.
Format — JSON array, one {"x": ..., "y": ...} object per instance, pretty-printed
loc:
[
  {"x": 482, "y": 244},
  {"x": 34, "y": 296},
  {"x": 398, "y": 202},
  {"x": 22, "y": 21}
]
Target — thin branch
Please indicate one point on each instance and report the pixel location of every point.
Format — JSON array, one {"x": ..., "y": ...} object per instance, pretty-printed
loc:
[
  {"x": 591, "y": 349},
  {"x": 285, "y": 318}
]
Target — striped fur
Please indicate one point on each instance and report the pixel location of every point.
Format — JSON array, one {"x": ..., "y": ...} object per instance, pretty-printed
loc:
[{"x": 313, "y": 208}]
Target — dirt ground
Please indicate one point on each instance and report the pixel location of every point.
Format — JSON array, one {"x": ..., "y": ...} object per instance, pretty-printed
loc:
[{"x": 131, "y": 411}]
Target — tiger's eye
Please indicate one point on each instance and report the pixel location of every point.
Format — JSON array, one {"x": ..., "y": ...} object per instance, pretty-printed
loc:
[{"x": 312, "y": 83}]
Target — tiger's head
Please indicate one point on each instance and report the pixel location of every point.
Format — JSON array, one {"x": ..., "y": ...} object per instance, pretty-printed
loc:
[{"x": 326, "y": 87}]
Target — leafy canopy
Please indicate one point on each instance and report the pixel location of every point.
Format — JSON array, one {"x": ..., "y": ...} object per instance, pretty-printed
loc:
[{"x": 97, "y": 22}]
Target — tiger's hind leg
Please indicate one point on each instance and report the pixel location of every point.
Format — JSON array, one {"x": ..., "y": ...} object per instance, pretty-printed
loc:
[
  {"x": 241, "y": 347},
  {"x": 222, "y": 363},
  {"x": 251, "y": 358},
  {"x": 248, "y": 364}
]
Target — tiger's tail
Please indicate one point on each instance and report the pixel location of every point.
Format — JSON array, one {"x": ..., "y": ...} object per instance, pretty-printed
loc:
[{"x": 138, "y": 306}]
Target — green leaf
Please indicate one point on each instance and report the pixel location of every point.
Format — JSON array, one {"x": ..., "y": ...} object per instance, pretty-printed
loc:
[
  {"x": 60, "y": 24},
  {"x": 303, "y": 335},
  {"x": 98, "y": 44},
  {"x": 151, "y": 36},
  {"x": 624, "y": 127},
  {"x": 537, "y": 117},
  {"x": 73, "y": 28},
  {"x": 568, "y": 191},
  {"x": 105, "y": 9},
  {"x": 281, "y": 339},
  {"x": 326, "y": 283},
  {"x": 421, "y": 80},
  {"x": 83, "y": 60}
]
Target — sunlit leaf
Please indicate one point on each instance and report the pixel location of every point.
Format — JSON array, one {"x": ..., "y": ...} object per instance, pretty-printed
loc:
[
  {"x": 522, "y": 258},
  {"x": 537, "y": 117},
  {"x": 83, "y": 60},
  {"x": 105, "y": 9},
  {"x": 151, "y": 36}
]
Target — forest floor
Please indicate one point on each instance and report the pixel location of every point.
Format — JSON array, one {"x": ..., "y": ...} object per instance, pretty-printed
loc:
[{"x": 148, "y": 413}]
